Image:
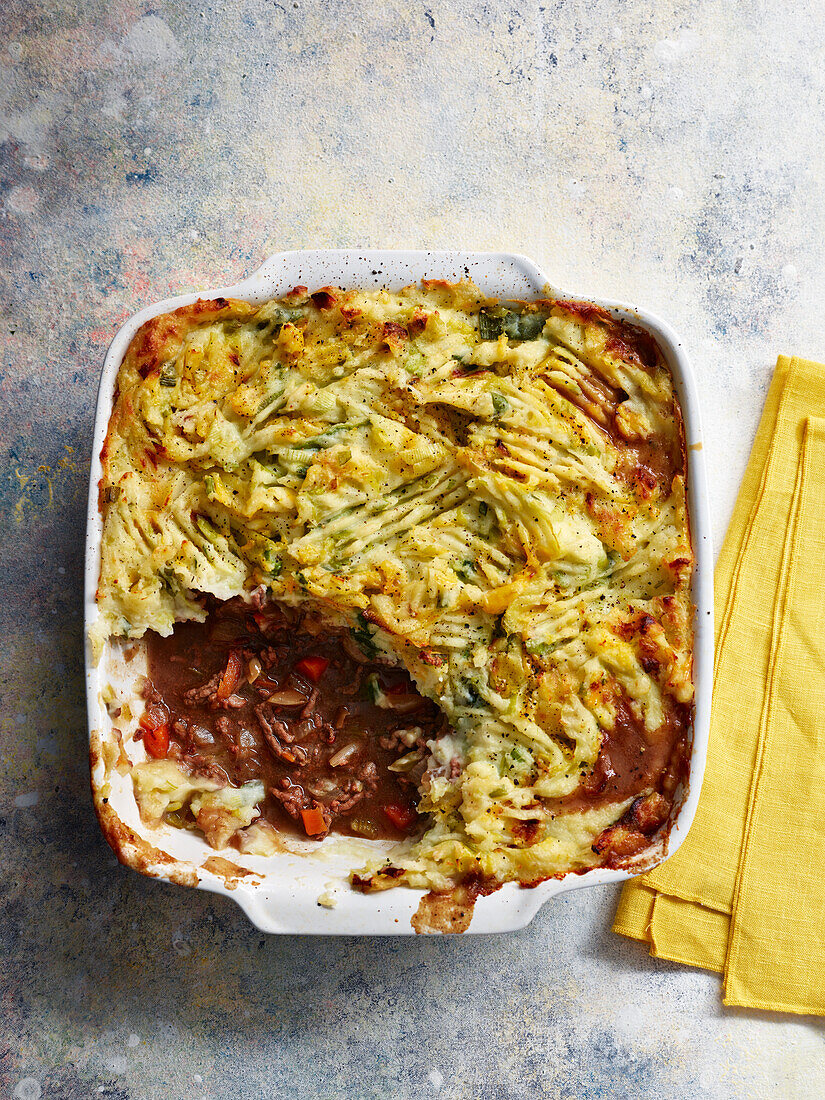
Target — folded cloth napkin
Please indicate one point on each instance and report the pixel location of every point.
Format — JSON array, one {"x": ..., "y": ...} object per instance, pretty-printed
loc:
[{"x": 745, "y": 894}]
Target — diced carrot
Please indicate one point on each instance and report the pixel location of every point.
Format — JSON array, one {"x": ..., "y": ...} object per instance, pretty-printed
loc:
[
  {"x": 153, "y": 717},
  {"x": 401, "y": 816},
  {"x": 231, "y": 676},
  {"x": 312, "y": 667},
  {"x": 314, "y": 822},
  {"x": 157, "y": 741}
]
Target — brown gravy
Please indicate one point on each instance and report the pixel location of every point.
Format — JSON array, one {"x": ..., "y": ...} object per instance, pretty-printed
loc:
[{"x": 632, "y": 761}]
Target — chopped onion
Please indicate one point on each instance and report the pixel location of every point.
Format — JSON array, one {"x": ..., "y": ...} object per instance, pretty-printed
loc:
[
  {"x": 202, "y": 736},
  {"x": 404, "y": 763},
  {"x": 288, "y": 698},
  {"x": 254, "y": 670},
  {"x": 344, "y": 754}
]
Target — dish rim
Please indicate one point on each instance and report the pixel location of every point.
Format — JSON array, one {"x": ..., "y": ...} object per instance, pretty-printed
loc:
[{"x": 511, "y": 907}]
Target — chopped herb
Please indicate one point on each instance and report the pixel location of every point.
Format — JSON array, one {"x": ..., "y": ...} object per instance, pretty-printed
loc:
[
  {"x": 372, "y": 688},
  {"x": 518, "y": 326},
  {"x": 465, "y": 571},
  {"x": 517, "y": 756},
  {"x": 167, "y": 580},
  {"x": 168, "y": 376},
  {"x": 472, "y": 698},
  {"x": 524, "y": 326},
  {"x": 362, "y": 636},
  {"x": 489, "y": 327},
  {"x": 500, "y": 403}
]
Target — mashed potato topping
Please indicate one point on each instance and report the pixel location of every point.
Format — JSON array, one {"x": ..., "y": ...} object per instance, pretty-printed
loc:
[{"x": 491, "y": 495}]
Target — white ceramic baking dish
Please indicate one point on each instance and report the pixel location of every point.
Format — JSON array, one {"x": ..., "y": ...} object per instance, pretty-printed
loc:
[{"x": 281, "y": 893}]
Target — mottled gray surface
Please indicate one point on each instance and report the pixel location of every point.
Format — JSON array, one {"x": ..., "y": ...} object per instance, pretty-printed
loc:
[{"x": 667, "y": 154}]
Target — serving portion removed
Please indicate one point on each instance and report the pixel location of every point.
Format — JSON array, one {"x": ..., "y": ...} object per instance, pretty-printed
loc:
[{"x": 413, "y": 565}]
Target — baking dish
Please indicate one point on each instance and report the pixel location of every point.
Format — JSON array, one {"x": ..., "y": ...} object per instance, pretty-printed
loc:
[{"x": 304, "y": 888}]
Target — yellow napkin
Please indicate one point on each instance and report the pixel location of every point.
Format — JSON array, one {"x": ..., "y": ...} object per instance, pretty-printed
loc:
[{"x": 745, "y": 894}]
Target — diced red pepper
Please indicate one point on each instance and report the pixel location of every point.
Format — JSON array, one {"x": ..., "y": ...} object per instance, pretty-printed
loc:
[
  {"x": 312, "y": 667},
  {"x": 314, "y": 822},
  {"x": 231, "y": 676},
  {"x": 401, "y": 816}
]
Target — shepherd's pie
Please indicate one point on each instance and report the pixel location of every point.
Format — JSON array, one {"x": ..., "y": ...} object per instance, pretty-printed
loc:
[{"x": 450, "y": 539}]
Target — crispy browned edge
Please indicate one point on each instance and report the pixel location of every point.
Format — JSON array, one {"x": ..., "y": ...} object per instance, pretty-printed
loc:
[
  {"x": 230, "y": 872},
  {"x": 130, "y": 848}
]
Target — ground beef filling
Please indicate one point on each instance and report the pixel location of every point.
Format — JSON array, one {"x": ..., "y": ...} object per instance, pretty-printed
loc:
[{"x": 338, "y": 741}]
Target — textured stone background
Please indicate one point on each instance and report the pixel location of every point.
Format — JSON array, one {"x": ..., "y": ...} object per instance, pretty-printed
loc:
[{"x": 670, "y": 154}]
